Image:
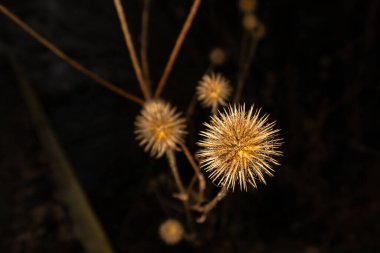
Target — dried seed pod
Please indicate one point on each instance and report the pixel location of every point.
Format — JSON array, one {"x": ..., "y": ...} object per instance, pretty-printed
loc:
[
  {"x": 213, "y": 90},
  {"x": 171, "y": 231},
  {"x": 159, "y": 127},
  {"x": 238, "y": 147},
  {"x": 217, "y": 56}
]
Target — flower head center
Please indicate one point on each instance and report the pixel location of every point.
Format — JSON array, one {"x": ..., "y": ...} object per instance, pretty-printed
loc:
[{"x": 215, "y": 91}]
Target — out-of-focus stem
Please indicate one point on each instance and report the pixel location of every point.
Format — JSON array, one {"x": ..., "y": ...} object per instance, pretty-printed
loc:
[
  {"x": 144, "y": 43},
  {"x": 177, "y": 47},
  {"x": 131, "y": 48},
  {"x": 73, "y": 63},
  {"x": 209, "y": 206},
  {"x": 244, "y": 69},
  {"x": 86, "y": 225}
]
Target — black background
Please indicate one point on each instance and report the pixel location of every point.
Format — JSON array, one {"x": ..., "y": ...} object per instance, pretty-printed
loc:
[{"x": 316, "y": 72}]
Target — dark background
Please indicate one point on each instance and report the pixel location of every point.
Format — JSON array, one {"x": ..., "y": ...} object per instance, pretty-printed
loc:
[{"x": 316, "y": 72}]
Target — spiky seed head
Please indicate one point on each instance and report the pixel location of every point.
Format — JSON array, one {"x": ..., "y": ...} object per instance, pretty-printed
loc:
[
  {"x": 238, "y": 147},
  {"x": 159, "y": 127},
  {"x": 250, "y": 22},
  {"x": 213, "y": 90},
  {"x": 171, "y": 231},
  {"x": 217, "y": 56},
  {"x": 247, "y": 5}
]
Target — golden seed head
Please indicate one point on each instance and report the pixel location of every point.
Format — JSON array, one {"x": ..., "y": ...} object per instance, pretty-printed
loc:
[
  {"x": 247, "y": 5},
  {"x": 159, "y": 127},
  {"x": 250, "y": 22},
  {"x": 238, "y": 147},
  {"x": 217, "y": 56},
  {"x": 213, "y": 90},
  {"x": 171, "y": 231}
]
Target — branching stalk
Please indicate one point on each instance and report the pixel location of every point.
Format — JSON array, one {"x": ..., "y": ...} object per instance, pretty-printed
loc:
[
  {"x": 198, "y": 173},
  {"x": 177, "y": 47},
  {"x": 73, "y": 63},
  {"x": 209, "y": 206},
  {"x": 173, "y": 166},
  {"x": 131, "y": 48}
]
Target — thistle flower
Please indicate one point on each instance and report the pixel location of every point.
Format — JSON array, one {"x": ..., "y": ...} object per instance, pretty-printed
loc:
[
  {"x": 213, "y": 90},
  {"x": 238, "y": 147},
  {"x": 159, "y": 127},
  {"x": 171, "y": 231}
]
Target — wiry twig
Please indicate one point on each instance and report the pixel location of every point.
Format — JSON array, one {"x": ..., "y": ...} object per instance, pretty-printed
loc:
[
  {"x": 73, "y": 63},
  {"x": 144, "y": 43},
  {"x": 177, "y": 47},
  {"x": 131, "y": 49},
  {"x": 245, "y": 68},
  {"x": 173, "y": 166},
  {"x": 209, "y": 206}
]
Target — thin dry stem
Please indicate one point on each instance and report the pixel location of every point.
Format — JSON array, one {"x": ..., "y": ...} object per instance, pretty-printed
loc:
[
  {"x": 144, "y": 43},
  {"x": 244, "y": 69},
  {"x": 131, "y": 49},
  {"x": 197, "y": 170},
  {"x": 173, "y": 166},
  {"x": 183, "y": 196},
  {"x": 209, "y": 206},
  {"x": 73, "y": 63},
  {"x": 177, "y": 47}
]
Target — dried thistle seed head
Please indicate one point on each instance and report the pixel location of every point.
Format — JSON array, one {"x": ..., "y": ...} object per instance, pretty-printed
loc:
[
  {"x": 238, "y": 147},
  {"x": 250, "y": 22},
  {"x": 159, "y": 127},
  {"x": 171, "y": 231},
  {"x": 213, "y": 90},
  {"x": 247, "y": 5},
  {"x": 217, "y": 56}
]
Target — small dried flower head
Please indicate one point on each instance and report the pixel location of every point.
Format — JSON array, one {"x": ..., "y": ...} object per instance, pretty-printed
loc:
[
  {"x": 171, "y": 231},
  {"x": 217, "y": 56},
  {"x": 213, "y": 90},
  {"x": 238, "y": 147},
  {"x": 250, "y": 22},
  {"x": 159, "y": 127},
  {"x": 247, "y": 5}
]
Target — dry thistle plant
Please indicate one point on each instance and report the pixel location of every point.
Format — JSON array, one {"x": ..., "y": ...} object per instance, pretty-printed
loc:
[{"x": 238, "y": 146}]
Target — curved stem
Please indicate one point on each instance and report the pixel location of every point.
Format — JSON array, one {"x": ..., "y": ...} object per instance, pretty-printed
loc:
[
  {"x": 177, "y": 47},
  {"x": 209, "y": 206},
  {"x": 131, "y": 49},
  {"x": 73, "y": 63}
]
